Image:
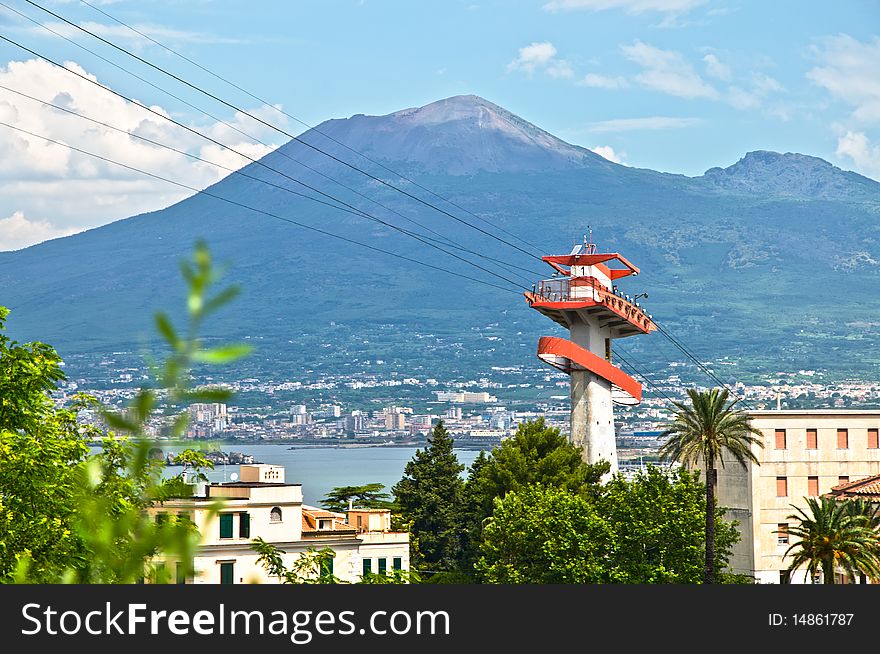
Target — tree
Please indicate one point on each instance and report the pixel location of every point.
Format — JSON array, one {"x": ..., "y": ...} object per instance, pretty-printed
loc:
[
  {"x": 658, "y": 524},
  {"x": 536, "y": 454},
  {"x": 429, "y": 499},
  {"x": 834, "y": 534},
  {"x": 703, "y": 433},
  {"x": 313, "y": 566},
  {"x": 367, "y": 496},
  {"x": 545, "y": 535},
  {"x": 67, "y": 516}
]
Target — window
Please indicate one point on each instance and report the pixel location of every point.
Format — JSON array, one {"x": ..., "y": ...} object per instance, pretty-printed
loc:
[
  {"x": 812, "y": 486},
  {"x": 275, "y": 514},
  {"x": 368, "y": 566},
  {"x": 782, "y": 487},
  {"x": 383, "y": 565},
  {"x": 360, "y": 523},
  {"x": 398, "y": 563},
  {"x": 842, "y": 439},
  {"x": 227, "y": 572},
  {"x": 325, "y": 524},
  {"x": 244, "y": 525},
  {"x": 874, "y": 438},
  {"x": 225, "y": 525},
  {"x": 180, "y": 577},
  {"x": 608, "y": 349},
  {"x": 780, "y": 439},
  {"x": 782, "y": 533},
  {"x": 161, "y": 518},
  {"x": 843, "y": 479},
  {"x": 812, "y": 439},
  {"x": 785, "y": 576}
]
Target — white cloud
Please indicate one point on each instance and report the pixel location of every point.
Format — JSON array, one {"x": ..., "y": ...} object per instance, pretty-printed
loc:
[
  {"x": 849, "y": 71},
  {"x": 535, "y": 55},
  {"x": 716, "y": 69},
  {"x": 649, "y": 123},
  {"x": 540, "y": 56},
  {"x": 857, "y": 148},
  {"x": 608, "y": 152},
  {"x": 75, "y": 191},
  {"x": 603, "y": 82},
  {"x": 631, "y": 6},
  {"x": 120, "y": 33},
  {"x": 667, "y": 71},
  {"x": 18, "y": 232}
]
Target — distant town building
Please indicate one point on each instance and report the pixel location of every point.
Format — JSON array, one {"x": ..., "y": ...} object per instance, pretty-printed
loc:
[
  {"x": 465, "y": 397},
  {"x": 261, "y": 504},
  {"x": 454, "y": 413},
  {"x": 299, "y": 415},
  {"x": 395, "y": 419},
  {"x": 207, "y": 420},
  {"x": 806, "y": 453}
]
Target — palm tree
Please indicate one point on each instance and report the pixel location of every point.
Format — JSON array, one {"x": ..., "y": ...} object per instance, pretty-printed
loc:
[
  {"x": 835, "y": 534},
  {"x": 701, "y": 433}
]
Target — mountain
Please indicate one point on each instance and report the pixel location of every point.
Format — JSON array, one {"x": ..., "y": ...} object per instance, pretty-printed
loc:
[
  {"x": 773, "y": 262},
  {"x": 793, "y": 175},
  {"x": 457, "y": 136}
]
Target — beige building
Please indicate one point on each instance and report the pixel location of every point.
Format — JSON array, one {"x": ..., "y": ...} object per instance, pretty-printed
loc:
[
  {"x": 806, "y": 453},
  {"x": 261, "y": 504}
]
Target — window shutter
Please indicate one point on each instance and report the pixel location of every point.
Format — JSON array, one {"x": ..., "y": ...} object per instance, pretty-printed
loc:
[
  {"x": 842, "y": 439},
  {"x": 874, "y": 438},
  {"x": 812, "y": 486},
  {"x": 244, "y": 525},
  {"x": 812, "y": 439},
  {"x": 781, "y": 487},
  {"x": 225, "y": 525},
  {"x": 780, "y": 439}
]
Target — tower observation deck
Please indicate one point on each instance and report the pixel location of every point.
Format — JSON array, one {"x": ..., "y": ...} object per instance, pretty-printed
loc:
[{"x": 582, "y": 297}]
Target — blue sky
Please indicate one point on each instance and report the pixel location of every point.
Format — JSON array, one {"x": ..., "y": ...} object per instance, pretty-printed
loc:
[{"x": 674, "y": 85}]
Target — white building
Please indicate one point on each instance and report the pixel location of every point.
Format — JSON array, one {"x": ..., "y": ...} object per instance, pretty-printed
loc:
[
  {"x": 261, "y": 504},
  {"x": 806, "y": 453}
]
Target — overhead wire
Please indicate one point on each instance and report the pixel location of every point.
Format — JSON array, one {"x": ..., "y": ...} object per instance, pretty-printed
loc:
[
  {"x": 254, "y": 209},
  {"x": 672, "y": 339},
  {"x": 276, "y": 128},
  {"x": 446, "y": 240},
  {"x": 305, "y": 124},
  {"x": 261, "y": 163}
]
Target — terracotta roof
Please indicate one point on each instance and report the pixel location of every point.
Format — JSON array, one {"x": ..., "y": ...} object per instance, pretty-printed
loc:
[{"x": 867, "y": 488}]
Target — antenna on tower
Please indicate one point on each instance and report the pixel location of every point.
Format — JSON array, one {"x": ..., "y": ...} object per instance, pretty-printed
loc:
[{"x": 589, "y": 246}]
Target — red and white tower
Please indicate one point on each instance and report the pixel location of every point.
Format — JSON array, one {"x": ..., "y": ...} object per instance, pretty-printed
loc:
[{"x": 583, "y": 298}]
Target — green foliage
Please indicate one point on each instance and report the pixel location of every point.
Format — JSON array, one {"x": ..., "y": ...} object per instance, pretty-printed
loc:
[
  {"x": 367, "y": 496},
  {"x": 310, "y": 567},
  {"x": 703, "y": 433},
  {"x": 834, "y": 534},
  {"x": 709, "y": 427},
  {"x": 429, "y": 500},
  {"x": 545, "y": 535},
  {"x": 67, "y": 516},
  {"x": 536, "y": 454},
  {"x": 658, "y": 524}
]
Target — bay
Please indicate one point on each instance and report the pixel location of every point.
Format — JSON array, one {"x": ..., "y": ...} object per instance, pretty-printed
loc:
[{"x": 319, "y": 469}]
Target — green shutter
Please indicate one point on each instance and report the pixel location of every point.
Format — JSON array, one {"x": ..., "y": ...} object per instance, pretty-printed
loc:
[
  {"x": 225, "y": 525},
  {"x": 398, "y": 563},
  {"x": 327, "y": 567},
  {"x": 181, "y": 578},
  {"x": 244, "y": 525},
  {"x": 227, "y": 572},
  {"x": 368, "y": 566},
  {"x": 383, "y": 564}
]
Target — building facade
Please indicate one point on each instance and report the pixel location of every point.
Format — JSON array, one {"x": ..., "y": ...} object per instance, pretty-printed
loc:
[
  {"x": 806, "y": 453},
  {"x": 261, "y": 504}
]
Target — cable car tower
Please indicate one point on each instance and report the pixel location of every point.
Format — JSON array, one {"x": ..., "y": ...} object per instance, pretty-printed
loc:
[{"x": 582, "y": 297}]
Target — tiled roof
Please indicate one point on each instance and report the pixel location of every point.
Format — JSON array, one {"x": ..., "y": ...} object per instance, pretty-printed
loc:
[{"x": 867, "y": 488}]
